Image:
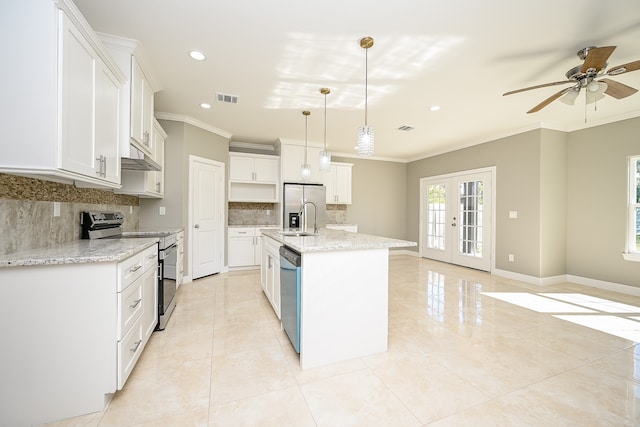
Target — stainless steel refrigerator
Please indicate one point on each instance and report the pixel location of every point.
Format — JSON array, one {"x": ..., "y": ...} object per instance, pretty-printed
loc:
[{"x": 302, "y": 198}]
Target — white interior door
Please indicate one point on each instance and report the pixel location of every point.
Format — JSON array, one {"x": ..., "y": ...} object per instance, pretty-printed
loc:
[
  {"x": 206, "y": 205},
  {"x": 456, "y": 218}
]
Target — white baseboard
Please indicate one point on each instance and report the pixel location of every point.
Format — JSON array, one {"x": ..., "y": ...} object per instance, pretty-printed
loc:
[
  {"x": 393, "y": 252},
  {"x": 608, "y": 286},
  {"x": 552, "y": 280}
]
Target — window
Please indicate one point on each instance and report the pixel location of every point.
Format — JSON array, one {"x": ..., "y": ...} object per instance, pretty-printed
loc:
[{"x": 633, "y": 227}]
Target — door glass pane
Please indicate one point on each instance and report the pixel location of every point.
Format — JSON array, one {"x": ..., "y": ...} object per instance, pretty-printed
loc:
[
  {"x": 470, "y": 218},
  {"x": 436, "y": 210}
]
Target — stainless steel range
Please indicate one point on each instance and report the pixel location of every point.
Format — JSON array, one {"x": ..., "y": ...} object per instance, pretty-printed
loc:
[{"x": 108, "y": 225}]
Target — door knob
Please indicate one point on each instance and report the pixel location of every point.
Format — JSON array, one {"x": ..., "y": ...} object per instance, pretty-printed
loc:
[{"x": 197, "y": 226}]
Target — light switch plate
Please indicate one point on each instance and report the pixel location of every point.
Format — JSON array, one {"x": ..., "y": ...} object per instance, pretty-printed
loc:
[
  {"x": 513, "y": 214},
  {"x": 56, "y": 209}
]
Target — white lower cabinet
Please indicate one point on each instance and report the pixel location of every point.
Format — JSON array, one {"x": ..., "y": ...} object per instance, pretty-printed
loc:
[
  {"x": 270, "y": 272},
  {"x": 81, "y": 328},
  {"x": 244, "y": 246}
]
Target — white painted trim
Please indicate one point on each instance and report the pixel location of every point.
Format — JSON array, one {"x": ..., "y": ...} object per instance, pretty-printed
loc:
[
  {"x": 607, "y": 286},
  {"x": 493, "y": 172},
  {"x": 541, "y": 281},
  {"x": 190, "y": 224},
  {"x": 552, "y": 280},
  {"x": 394, "y": 252},
  {"x": 628, "y": 256},
  {"x": 194, "y": 122}
]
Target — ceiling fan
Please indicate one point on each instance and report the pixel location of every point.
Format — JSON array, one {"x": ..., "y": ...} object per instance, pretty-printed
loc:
[{"x": 589, "y": 76}]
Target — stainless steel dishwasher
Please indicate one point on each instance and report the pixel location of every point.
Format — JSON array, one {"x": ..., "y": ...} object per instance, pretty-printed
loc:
[{"x": 290, "y": 278}]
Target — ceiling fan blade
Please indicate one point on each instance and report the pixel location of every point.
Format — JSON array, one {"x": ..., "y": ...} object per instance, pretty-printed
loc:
[
  {"x": 537, "y": 87},
  {"x": 617, "y": 89},
  {"x": 548, "y": 101},
  {"x": 597, "y": 58},
  {"x": 624, "y": 68}
]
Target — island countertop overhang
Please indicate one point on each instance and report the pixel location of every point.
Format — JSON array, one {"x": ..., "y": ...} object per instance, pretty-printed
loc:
[{"x": 335, "y": 240}]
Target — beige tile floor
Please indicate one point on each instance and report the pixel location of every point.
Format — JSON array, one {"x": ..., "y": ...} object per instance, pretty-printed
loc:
[{"x": 456, "y": 357}]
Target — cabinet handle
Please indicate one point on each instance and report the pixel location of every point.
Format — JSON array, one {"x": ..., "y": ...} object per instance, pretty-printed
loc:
[
  {"x": 152, "y": 256},
  {"x": 145, "y": 138},
  {"x": 136, "y": 268},
  {"x": 134, "y": 349},
  {"x": 138, "y": 301},
  {"x": 102, "y": 166}
]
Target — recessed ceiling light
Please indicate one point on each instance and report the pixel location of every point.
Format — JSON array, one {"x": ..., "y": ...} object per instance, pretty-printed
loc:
[
  {"x": 197, "y": 55},
  {"x": 434, "y": 108},
  {"x": 205, "y": 105}
]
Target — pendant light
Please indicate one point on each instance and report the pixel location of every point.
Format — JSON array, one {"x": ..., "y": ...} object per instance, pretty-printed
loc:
[
  {"x": 325, "y": 156},
  {"x": 365, "y": 147},
  {"x": 306, "y": 168}
]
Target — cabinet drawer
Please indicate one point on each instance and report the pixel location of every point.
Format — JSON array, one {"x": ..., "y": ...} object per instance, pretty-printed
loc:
[
  {"x": 129, "y": 350},
  {"x": 129, "y": 270},
  {"x": 130, "y": 303},
  {"x": 150, "y": 258},
  {"x": 271, "y": 245},
  {"x": 242, "y": 231}
]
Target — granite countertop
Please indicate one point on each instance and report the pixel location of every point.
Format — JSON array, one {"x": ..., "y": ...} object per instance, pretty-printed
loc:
[
  {"x": 335, "y": 240},
  {"x": 253, "y": 225},
  {"x": 78, "y": 252},
  {"x": 158, "y": 231}
]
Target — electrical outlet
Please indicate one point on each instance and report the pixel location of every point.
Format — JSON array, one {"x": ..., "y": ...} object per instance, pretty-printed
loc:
[
  {"x": 512, "y": 258},
  {"x": 163, "y": 210}
]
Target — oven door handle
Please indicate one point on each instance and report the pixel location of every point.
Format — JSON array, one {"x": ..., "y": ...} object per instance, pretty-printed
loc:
[{"x": 166, "y": 252}]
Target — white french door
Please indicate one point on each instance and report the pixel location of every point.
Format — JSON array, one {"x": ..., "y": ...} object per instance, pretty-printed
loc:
[{"x": 456, "y": 218}]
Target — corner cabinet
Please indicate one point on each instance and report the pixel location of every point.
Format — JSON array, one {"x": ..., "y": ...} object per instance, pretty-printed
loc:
[
  {"x": 83, "y": 327},
  {"x": 66, "y": 126},
  {"x": 338, "y": 184},
  {"x": 253, "y": 178},
  {"x": 147, "y": 184}
]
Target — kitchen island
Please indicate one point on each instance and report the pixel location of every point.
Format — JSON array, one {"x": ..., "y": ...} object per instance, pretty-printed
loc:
[{"x": 343, "y": 293}]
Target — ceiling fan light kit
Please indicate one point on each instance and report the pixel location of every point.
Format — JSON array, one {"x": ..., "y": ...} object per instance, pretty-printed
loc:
[{"x": 588, "y": 76}]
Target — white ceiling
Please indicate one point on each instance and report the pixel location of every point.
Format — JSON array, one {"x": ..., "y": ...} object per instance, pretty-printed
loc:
[{"x": 459, "y": 54}]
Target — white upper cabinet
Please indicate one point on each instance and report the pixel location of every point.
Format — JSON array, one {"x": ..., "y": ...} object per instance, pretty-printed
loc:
[
  {"x": 253, "y": 167},
  {"x": 148, "y": 184},
  {"x": 136, "y": 95},
  {"x": 253, "y": 178},
  {"x": 61, "y": 108},
  {"x": 292, "y": 157},
  {"x": 141, "y": 109},
  {"x": 338, "y": 183}
]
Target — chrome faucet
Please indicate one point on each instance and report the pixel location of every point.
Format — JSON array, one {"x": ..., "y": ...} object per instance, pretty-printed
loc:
[{"x": 315, "y": 217}]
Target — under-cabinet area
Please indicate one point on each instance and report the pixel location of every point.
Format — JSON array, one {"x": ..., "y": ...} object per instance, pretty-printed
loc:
[{"x": 80, "y": 316}]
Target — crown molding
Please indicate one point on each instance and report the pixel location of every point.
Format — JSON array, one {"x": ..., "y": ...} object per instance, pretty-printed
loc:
[{"x": 193, "y": 122}]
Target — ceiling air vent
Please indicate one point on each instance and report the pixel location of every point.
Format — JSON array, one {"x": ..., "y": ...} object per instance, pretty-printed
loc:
[
  {"x": 405, "y": 128},
  {"x": 225, "y": 97}
]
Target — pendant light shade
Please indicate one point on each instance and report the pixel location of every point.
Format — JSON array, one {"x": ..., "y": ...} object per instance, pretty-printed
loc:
[
  {"x": 325, "y": 156},
  {"x": 306, "y": 167},
  {"x": 366, "y": 146}
]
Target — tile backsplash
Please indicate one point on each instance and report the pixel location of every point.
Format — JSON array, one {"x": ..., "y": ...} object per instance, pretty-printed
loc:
[
  {"x": 27, "y": 218},
  {"x": 268, "y": 214}
]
